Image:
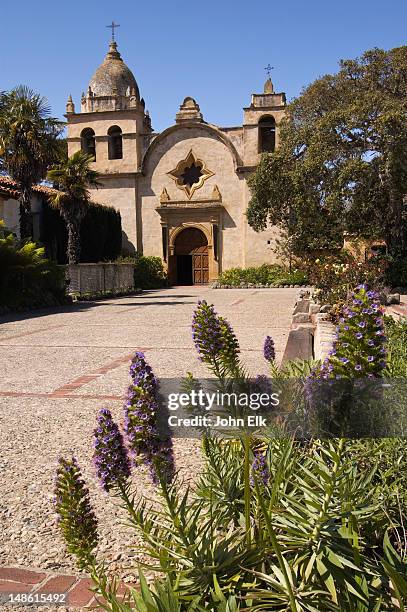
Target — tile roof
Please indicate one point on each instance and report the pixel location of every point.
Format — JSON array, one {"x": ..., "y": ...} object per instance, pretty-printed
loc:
[{"x": 9, "y": 188}]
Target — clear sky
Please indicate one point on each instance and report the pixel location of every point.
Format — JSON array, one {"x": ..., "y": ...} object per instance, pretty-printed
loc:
[{"x": 212, "y": 50}]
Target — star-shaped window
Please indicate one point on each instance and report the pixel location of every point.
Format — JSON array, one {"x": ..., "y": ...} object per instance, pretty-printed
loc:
[{"x": 190, "y": 174}]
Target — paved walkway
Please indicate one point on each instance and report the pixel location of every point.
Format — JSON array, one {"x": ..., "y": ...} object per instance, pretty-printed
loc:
[
  {"x": 58, "y": 368},
  {"x": 38, "y": 589}
]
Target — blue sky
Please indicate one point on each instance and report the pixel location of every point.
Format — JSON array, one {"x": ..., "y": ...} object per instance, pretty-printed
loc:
[{"x": 212, "y": 50}]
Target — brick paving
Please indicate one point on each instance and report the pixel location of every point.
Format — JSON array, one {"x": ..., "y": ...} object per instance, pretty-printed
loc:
[
  {"x": 73, "y": 591},
  {"x": 58, "y": 369}
]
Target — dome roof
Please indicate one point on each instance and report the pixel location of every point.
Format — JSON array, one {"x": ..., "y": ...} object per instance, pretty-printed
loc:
[{"x": 113, "y": 76}]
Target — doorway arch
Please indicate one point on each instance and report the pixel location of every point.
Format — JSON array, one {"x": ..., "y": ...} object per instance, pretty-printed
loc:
[{"x": 191, "y": 257}]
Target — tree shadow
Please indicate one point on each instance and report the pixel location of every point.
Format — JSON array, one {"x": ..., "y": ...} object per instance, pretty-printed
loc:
[{"x": 78, "y": 307}]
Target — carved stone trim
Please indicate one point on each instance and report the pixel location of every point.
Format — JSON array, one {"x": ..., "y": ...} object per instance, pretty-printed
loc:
[
  {"x": 164, "y": 197},
  {"x": 176, "y": 173}
]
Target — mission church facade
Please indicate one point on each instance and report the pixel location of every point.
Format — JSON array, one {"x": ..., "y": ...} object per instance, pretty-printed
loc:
[{"x": 182, "y": 193}]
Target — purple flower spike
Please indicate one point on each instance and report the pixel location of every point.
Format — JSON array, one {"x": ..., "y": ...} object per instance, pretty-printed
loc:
[
  {"x": 110, "y": 456},
  {"x": 76, "y": 518},
  {"x": 207, "y": 332},
  {"x": 142, "y": 373},
  {"x": 140, "y": 425},
  {"x": 214, "y": 337},
  {"x": 260, "y": 469},
  {"x": 269, "y": 350}
]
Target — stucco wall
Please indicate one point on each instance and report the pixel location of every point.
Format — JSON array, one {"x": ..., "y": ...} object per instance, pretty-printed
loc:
[
  {"x": 164, "y": 157},
  {"x": 10, "y": 214},
  {"x": 131, "y": 124}
]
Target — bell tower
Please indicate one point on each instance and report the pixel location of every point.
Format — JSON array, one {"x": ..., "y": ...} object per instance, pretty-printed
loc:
[
  {"x": 114, "y": 127},
  {"x": 261, "y": 123}
]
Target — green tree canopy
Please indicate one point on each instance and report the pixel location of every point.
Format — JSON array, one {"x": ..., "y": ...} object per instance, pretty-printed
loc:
[
  {"x": 342, "y": 161},
  {"x": 28, "y": 143}
]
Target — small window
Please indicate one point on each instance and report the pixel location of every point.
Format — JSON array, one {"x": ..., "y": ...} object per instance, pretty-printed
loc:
[
  {"x": 88, "y": 144},
  {"x": 191, "y": 175},
  {"x": 267, "y": 134},
  {"x": 115, "y": 142}
]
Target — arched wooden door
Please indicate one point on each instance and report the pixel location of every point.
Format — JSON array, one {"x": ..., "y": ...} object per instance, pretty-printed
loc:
[{"x": 191, "y": 252}]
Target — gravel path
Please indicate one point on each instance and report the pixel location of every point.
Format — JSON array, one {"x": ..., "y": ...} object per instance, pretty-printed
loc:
[{"x": 60, "y": 367}]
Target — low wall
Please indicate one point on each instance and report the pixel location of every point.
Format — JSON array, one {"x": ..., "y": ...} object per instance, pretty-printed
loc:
[{"x": 99, "y": 277}]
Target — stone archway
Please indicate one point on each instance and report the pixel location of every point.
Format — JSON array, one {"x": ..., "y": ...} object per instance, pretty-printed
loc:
[{"x": 191, "y": 257}]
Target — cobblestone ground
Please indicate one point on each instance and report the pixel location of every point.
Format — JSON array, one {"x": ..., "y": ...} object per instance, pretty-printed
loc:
[{"x": 58, "y": 368}]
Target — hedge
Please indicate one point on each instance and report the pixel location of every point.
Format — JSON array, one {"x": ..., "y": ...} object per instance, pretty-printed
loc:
[
  {"x": 101, "y": 234},
  {"x": 263, "y": 275}
]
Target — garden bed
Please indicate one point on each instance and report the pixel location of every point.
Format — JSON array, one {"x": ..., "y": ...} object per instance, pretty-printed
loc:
[
  {"x": 104, "y": 295},
  {"x": 265, "y": 276}
]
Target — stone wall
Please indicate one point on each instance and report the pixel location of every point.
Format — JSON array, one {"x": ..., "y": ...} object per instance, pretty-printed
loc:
[{"x": 99, "y": 277}]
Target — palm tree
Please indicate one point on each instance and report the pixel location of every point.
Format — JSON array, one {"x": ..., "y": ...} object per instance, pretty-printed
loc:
[
  {"x": 28, "y": 144},
  {"x": 73, "y": 177}
]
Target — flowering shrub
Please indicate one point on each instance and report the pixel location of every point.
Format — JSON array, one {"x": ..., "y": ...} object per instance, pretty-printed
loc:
[
  {"x": 77, "y": 520},
  {"x": 141, "y": 429},
  {"x": 345, "y": 397},
  {"x": 335, "y": 277},
  {"x": 359, "y": 350}
]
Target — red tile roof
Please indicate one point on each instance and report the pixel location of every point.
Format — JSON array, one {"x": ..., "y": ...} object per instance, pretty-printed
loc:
[{"x": 9, "y": 188}]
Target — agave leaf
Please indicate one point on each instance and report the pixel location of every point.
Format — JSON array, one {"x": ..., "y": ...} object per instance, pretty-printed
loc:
[{"x": 327, "y": 578}]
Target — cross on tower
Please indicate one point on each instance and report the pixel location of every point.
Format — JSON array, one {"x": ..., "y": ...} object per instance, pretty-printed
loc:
[
  {"x": 268, "y": 69},
  {"x": 113, "y": 25}
]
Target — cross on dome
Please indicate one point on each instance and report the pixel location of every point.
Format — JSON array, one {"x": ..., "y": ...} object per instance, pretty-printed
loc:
[{"x": 113, "y": 25}]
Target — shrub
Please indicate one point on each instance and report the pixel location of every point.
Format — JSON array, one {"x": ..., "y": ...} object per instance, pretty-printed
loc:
[
  {"x": 346, "y": 544},
  {"x": 149, "y": 272},
  {"x": 359, "y": 350},
  {"x": 335, "y": 276},
  {"x": 101, "y": 234},
  {"x": 28, "y": 279},
  {"x": 263, "y": 275}
]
